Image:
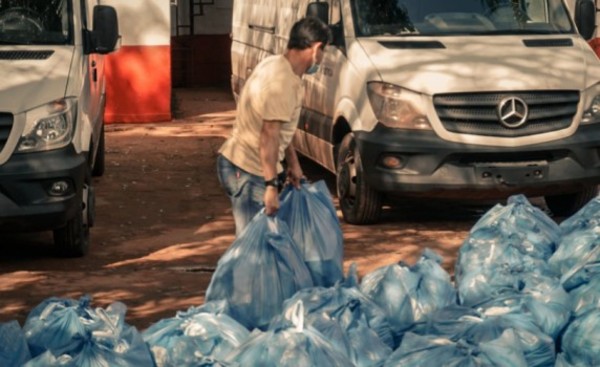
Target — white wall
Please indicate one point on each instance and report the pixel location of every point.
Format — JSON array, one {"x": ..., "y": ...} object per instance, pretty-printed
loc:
[{"x": 143, "y": 22}]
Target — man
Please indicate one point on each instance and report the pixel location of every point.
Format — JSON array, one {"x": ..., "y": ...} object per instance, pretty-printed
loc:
[{"x": 249, "y": 164}]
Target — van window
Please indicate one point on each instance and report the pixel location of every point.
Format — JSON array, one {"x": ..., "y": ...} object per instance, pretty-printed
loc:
[
  {"x": 471, "y": 17},
  {"x": 40, "y": 22}
]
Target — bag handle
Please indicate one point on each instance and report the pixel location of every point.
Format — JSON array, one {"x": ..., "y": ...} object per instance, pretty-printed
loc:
[{"x": 296, "y": 315}]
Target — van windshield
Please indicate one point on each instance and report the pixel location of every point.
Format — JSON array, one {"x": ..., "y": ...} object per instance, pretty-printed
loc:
[
  {"x": 460, "y": 17},
  {"x": 44, "y": 22}
]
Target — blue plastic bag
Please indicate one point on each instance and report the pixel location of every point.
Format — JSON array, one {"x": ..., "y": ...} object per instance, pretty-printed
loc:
[
  {"x": 458, "y": 323},
  {"x": 561, "y": 361},
  {"x": 329, "y": 301},
  {"x": 289, "y": 345},
  {"x": 195, "y": 339},
  {"x": 408, "y": 293},
  {"x": 489, "y": 266},
  {"x": 577, "y": 259},
  {"x": 310, "y": 214},
  {"x": 366, "y": 349},
  {"x": 13, "y": 346},
  {"x": 586, "y": 218},
  {"x": 128, "y": 350},
  {"x": 47, "y": 359},
  {"x": 67, "y": 332},
  {"x": 420, "y": 351},
  {"x": 55, "y": 325},
  {"x": 547, "y": 304},
  {"x": 586, "y": 297},
  {"x": 346, "y": 327},
  {"x": 262, "y": 268},
  {"x": 539, "y": 234},
  {"x": 581, "y": 340}
]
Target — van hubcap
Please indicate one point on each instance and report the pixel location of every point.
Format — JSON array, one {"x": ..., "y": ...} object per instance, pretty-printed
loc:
[{"x": 347, "y": 179}]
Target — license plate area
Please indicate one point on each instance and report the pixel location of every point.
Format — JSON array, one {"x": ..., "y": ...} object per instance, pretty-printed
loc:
[{"x": 511, "y": 173}]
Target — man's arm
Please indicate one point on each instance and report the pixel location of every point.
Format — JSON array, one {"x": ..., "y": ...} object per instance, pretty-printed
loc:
[{"x": 269, "y": 152}]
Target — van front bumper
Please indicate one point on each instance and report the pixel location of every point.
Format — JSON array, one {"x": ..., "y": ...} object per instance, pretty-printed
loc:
[
  {"x": 430, "y": 166},
  {"x": 26, "y": 201}
]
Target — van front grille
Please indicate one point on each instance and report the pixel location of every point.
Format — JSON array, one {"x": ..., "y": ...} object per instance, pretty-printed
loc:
[
  {"x": 6, "y": 123},
  {"x": 477, "y": 113}
]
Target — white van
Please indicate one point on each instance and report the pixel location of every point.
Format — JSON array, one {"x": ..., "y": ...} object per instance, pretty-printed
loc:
[
  {"x": 52, "y": 97},
  {"x": 442, "y": 99}
]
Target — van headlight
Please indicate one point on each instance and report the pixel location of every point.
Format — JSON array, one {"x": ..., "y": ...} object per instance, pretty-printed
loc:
[
  {"x": 49, "y": 126},
  {"x": 397, "y": 107},
  {"x": 591, "y": 113}
]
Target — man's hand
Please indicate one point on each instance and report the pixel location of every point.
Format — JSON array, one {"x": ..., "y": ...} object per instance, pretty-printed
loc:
[
  {"x": 294, "y": 171},
  {"x": 295, "y": 175},
  {"x": 271, "y": 200}
]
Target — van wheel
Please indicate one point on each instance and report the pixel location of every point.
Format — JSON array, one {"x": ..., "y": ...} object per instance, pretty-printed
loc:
[
  {"x": 568, "y": 204},
  {"x": 99, "y": 162},
  {"x": 360, "y": 204},
  {"x": 73, "y": 240}
]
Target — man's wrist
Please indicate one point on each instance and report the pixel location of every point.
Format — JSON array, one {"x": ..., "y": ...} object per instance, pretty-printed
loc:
[{"x": 274, "y": 182}]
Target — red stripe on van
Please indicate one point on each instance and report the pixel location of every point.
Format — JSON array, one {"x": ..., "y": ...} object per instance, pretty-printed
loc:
[{"x": 138, "y": 84}]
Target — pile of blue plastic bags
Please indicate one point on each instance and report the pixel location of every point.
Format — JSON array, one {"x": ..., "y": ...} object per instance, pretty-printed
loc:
[
  {"x": 525, "y": 292},
  {"x": 65, "y": 332}
]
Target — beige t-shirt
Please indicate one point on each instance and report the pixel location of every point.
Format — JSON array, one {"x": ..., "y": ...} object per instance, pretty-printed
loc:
[{"x": 273, "y": 92}]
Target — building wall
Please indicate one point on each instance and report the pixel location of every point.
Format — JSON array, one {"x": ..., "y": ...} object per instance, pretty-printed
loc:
[{"x": 139, "y": 73}]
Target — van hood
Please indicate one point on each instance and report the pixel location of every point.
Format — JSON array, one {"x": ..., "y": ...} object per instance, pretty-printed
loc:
[
  {"x": 23, "y": 68},
  {"x": 493, "y": 63}
]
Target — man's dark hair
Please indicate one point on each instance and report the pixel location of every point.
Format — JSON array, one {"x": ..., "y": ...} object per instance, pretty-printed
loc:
[{"x": 307, "y": 31}]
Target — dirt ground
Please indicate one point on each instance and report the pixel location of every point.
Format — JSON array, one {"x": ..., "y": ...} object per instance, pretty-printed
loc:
[{"x": 163, "y": 222}]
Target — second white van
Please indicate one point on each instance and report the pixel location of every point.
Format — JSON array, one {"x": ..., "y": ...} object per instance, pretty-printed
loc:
[{"x": 438, "y": 98}]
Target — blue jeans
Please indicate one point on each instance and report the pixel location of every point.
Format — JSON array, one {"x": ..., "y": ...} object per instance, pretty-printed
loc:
[{"x": 245, "y": 190}]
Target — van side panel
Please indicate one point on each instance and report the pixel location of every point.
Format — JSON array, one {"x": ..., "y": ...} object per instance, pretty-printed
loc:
[{"x": 254, "y": 25}]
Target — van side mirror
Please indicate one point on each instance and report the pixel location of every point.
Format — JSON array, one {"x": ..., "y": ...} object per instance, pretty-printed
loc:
[
  {"x": 106, "y": 29},
  {"x": 585, "y": 18},
  {"x": 319, "y": 10}
]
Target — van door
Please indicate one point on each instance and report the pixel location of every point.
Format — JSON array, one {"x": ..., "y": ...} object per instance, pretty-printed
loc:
[
  {"x": 93, "y": 88},
  {"x": 322, "y": 93}
]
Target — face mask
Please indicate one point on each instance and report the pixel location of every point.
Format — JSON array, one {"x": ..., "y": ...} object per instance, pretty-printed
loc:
[{"x": 314, "y": 67}]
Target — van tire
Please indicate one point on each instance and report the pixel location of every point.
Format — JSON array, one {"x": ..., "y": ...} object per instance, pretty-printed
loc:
[
  {"x": 360, "y": 204},
  {"x": 100, "y": 161},
  {"x": 73, "y": 240},
  {"x": 568, "y": 204}
]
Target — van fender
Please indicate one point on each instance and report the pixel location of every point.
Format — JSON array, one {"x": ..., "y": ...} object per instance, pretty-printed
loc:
[
  {"x": 346, "y": 109},
  {"x": 83, "y": 133},
  {"x": 345, "y": 118}
]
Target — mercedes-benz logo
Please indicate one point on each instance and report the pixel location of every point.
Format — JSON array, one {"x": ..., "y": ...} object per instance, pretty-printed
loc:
[{"x": 512, "y": 112}]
